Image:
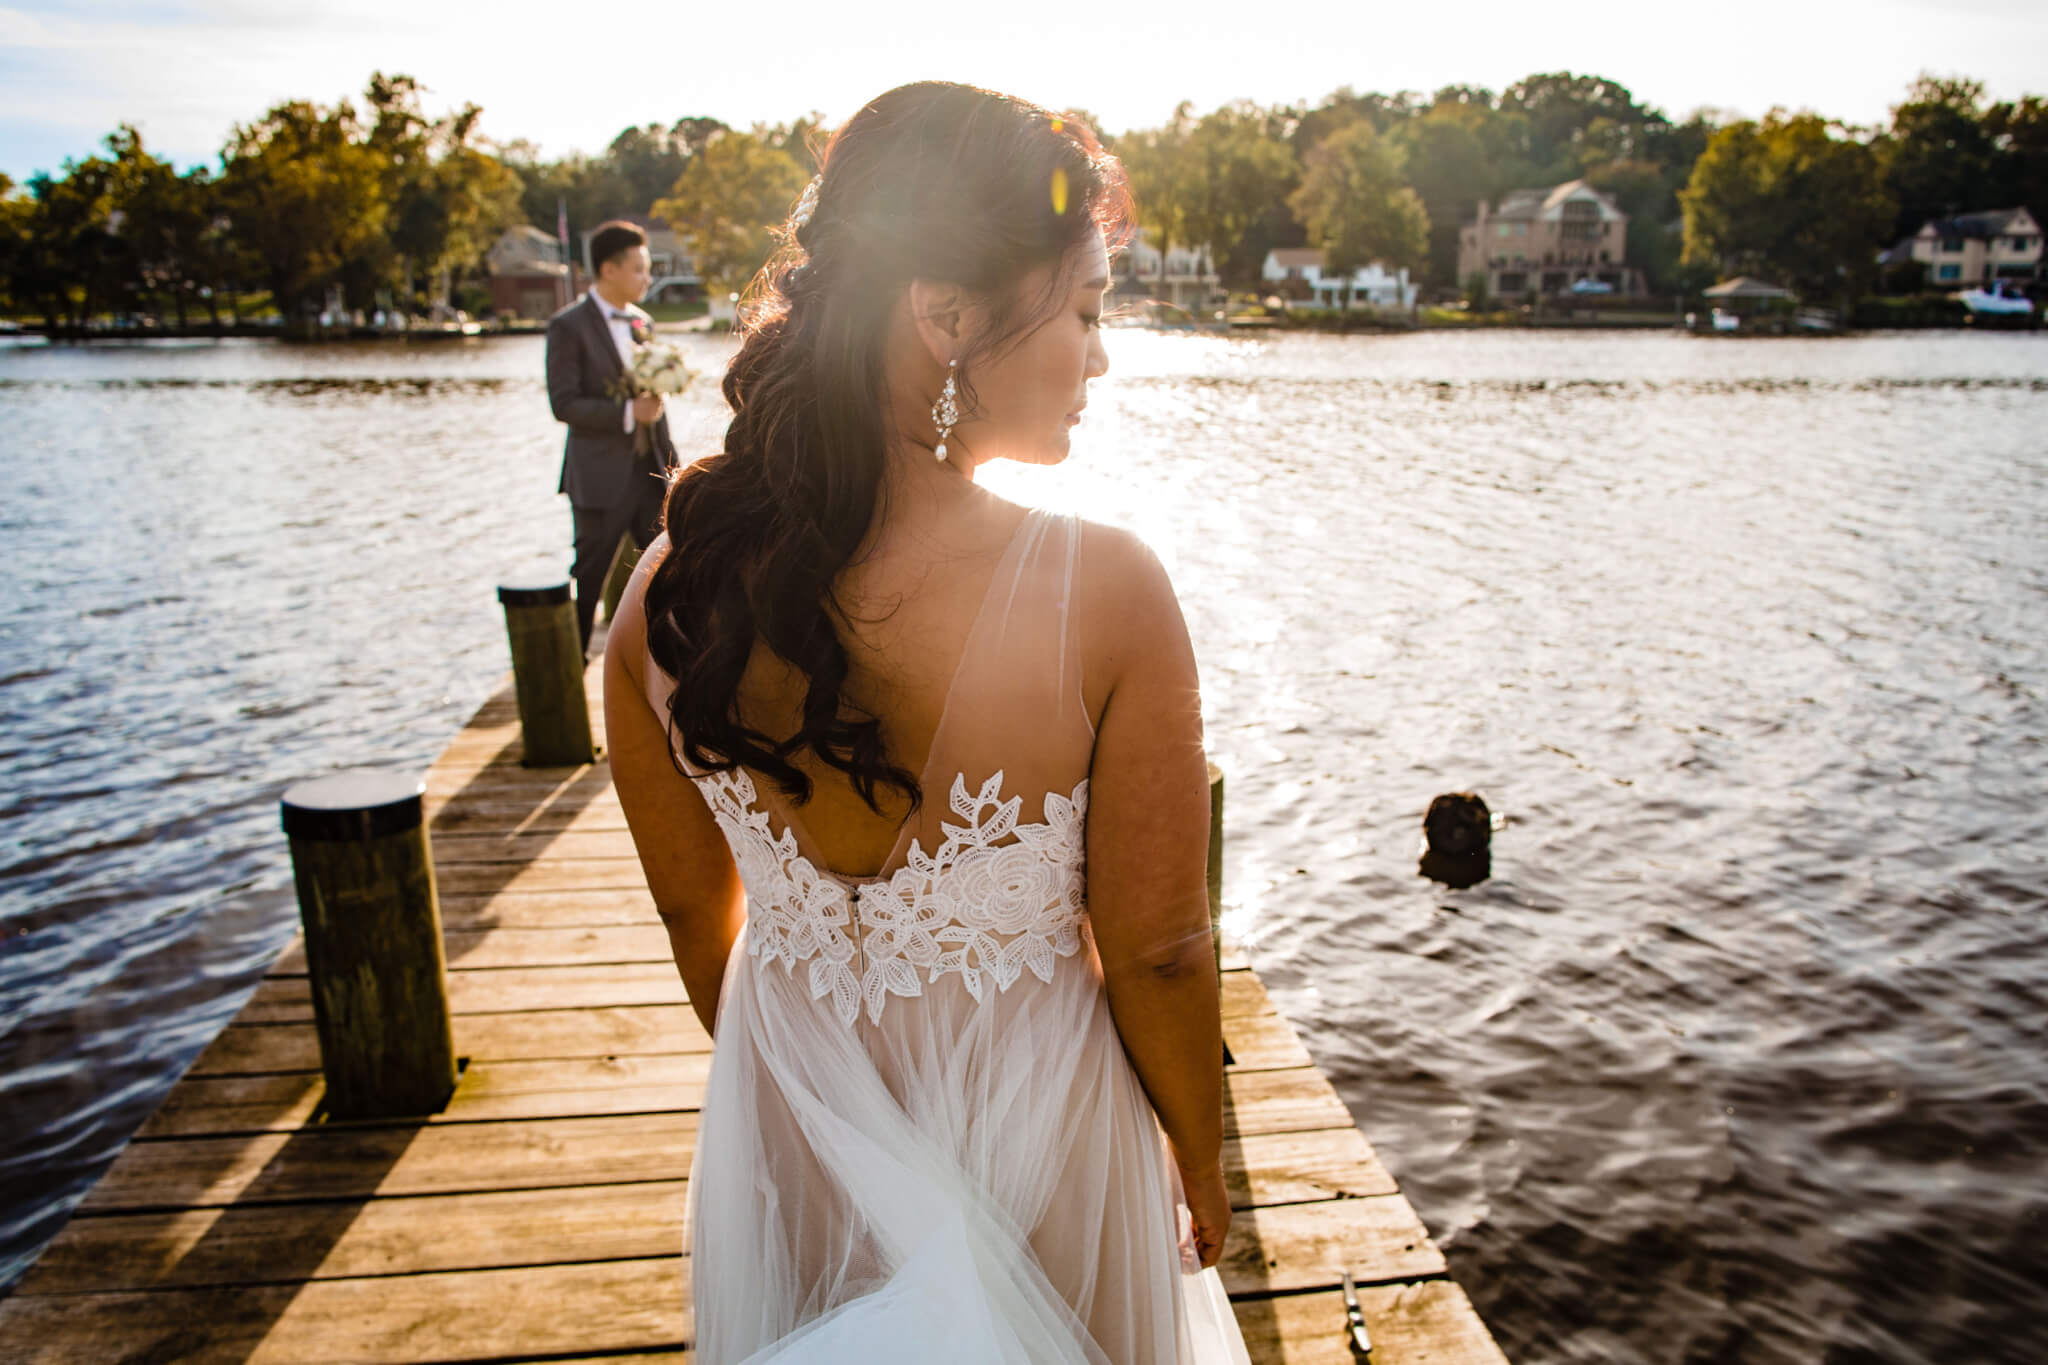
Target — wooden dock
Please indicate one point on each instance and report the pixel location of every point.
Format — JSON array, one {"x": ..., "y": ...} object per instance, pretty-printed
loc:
[{"x": 540, "y": 1215}]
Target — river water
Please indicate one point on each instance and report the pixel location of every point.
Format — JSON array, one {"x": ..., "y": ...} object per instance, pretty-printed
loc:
[{"x": 1738, "y": 1054}]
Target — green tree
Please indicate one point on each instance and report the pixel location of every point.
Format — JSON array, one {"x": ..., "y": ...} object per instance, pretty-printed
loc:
[
  {"x": 650, "y": 159},
  {"x": 589, "y": 190},
  {"x": 1235, "y": 170},
  {"x": 1160, "y": 170},
  {"x": 1450, "y": 170},
  {"x": 476, "y": 192},
  {"x": 17, "y": 210},
  {"x": 1787, "y": 198},
  {"x": 165, "y": 219},
  {"x": 1940, "y": 158},
  {"x": 1357, "y": 207},
  {"x": 1571, "y": 122},
  {"x": 1345, "y": 106},
  {"x": 2019, "y": 130},
  {"x": 728, "y": 198},
  {"x": 309, "y": 200},
  {"x": 72, "y": 263},
  {"x": 449, "y": 194}
]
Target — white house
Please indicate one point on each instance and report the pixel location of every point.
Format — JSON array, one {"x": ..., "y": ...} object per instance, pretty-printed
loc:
[
  {"x": 1291, "y": 267},
  {"x": 1186, "y": 277},
  {"x": 1976, "y": 248}
]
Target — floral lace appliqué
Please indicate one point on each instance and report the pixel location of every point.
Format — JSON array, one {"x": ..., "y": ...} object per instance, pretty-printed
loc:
[{"x": 979, "y": 907}]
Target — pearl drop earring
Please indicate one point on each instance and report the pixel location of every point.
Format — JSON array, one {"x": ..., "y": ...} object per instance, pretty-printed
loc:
[{"x": 946, "y": 412}]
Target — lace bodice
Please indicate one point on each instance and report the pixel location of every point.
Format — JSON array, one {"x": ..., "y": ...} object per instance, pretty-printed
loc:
[{"x": 995, "y": 898}]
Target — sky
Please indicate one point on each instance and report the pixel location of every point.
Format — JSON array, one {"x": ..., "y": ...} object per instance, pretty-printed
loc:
[{"x": 569, "y": 76}]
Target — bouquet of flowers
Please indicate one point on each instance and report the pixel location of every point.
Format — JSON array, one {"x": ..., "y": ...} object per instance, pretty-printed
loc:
[{"x": 658, "y": 369}]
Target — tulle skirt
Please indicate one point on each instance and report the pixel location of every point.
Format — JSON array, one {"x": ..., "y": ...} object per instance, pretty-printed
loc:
[{"x": 961, "y": 1179}]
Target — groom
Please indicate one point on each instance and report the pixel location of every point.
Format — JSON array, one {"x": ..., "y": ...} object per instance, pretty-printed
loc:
[{"x": 613, "y": 491}]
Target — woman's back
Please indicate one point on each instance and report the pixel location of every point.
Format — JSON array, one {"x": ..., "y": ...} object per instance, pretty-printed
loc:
[
  {"x": 944, "y": 620},
  {"x": 920, "y": 1106}
]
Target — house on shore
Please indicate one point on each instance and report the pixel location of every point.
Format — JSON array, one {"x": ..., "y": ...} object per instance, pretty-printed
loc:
[
  {"x": 1974, "y": 249},
  {"x": 1548, "y": 240},
  {"x": 528, "y": 276},
  {"x": 1301, "y": 273},
  {"x": 675, "y": 270},
  {"x": 1186, "y": 277}
]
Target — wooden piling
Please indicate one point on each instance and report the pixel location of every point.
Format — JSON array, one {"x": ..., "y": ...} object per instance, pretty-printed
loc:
[
  {"x": 375, "y": 970},
  {"x": 547, "y": 675},
  {"x": 539, "y": 1215}
]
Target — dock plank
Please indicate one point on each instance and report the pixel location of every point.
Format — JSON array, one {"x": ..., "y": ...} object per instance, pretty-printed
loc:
[
  {"x": 255, "y": 1244},
  {"x": 1305, "y": 1246},
  {"x": 517, "y": 1035},
  {"x": 1257, "y": 1041},
  {"x": 1425, "y": 1323},
  {"x": 615, "y": 1306},
  {"x": 550, "y": 1088},
  {"x": 352, "y": 1163},
  {"x": 1291, "y": 1099}
]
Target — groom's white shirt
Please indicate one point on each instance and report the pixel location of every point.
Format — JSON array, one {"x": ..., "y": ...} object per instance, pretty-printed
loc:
[{"x": 622, "y": 338}]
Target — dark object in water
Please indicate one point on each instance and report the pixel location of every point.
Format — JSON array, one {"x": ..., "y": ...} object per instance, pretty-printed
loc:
[
  {"x": 1458, "y": 831},
  {"x": 1458, "y": 825}
]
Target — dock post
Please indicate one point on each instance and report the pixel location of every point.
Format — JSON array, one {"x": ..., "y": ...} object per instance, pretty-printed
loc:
[
  {"x": 615, "y": 579},
  {"x": 547, "y": 675},
  {"x": 365, "y": 880},
  {"x": 1216, "y": 863}
]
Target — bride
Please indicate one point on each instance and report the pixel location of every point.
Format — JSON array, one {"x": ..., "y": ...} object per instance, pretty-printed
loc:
[{"x": 916, "y": 778}]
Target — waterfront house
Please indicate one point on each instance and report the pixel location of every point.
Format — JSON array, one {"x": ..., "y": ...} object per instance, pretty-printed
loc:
[
  {"x": 1548, "y": 240},
  {"x": 527, "y": 274},
  {"x": 1186, "y": 277},
  {"x": 1301, "y": 273},
  {"x": 1976, "y": 248},
  {"x": 519, "y": 248},
  {"x": 675, "y": 270}
]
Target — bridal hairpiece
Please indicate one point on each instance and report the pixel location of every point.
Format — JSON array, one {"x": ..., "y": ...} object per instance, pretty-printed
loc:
[{"x": 807, "y": 205}]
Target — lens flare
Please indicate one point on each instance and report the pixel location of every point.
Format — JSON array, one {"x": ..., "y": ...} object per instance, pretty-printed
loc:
[{"x": 1059, "y": 190}]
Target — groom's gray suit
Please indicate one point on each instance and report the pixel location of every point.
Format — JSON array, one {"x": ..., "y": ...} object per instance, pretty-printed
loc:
[{"x": 612, "y": 490}]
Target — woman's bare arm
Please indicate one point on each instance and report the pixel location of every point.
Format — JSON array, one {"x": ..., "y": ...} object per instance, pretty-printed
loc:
[
  {"x": 1148, "y": 846},
  {"x": 688, "y": 866}
]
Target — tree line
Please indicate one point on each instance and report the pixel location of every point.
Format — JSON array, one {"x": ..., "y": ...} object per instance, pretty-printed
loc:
[
  {"x": 385, "y": 202},
  {"x": 389, "y": 207},
  {"x": 1796, "y": 197}
]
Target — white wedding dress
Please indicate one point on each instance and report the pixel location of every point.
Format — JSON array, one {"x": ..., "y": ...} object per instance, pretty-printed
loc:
[{"x": 921, "y": 1139}]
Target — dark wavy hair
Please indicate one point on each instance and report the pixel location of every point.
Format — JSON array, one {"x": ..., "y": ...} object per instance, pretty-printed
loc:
[{"x": 932, "y": 181}]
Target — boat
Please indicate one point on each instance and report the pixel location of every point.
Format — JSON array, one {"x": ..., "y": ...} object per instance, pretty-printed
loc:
[
  {"x": 1999, "y": 299},
  {"x": 1726, "y": 321}
]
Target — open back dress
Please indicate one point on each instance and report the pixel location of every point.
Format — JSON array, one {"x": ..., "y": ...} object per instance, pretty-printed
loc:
[{"x": 921, "y": 1138}]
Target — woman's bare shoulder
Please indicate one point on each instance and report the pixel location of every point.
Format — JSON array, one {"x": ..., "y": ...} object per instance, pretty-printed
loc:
[
  {"x": 1124, "y": 597},
  {"x": 626, "y": 630},
  {"x": 1115, "y": 569}
]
